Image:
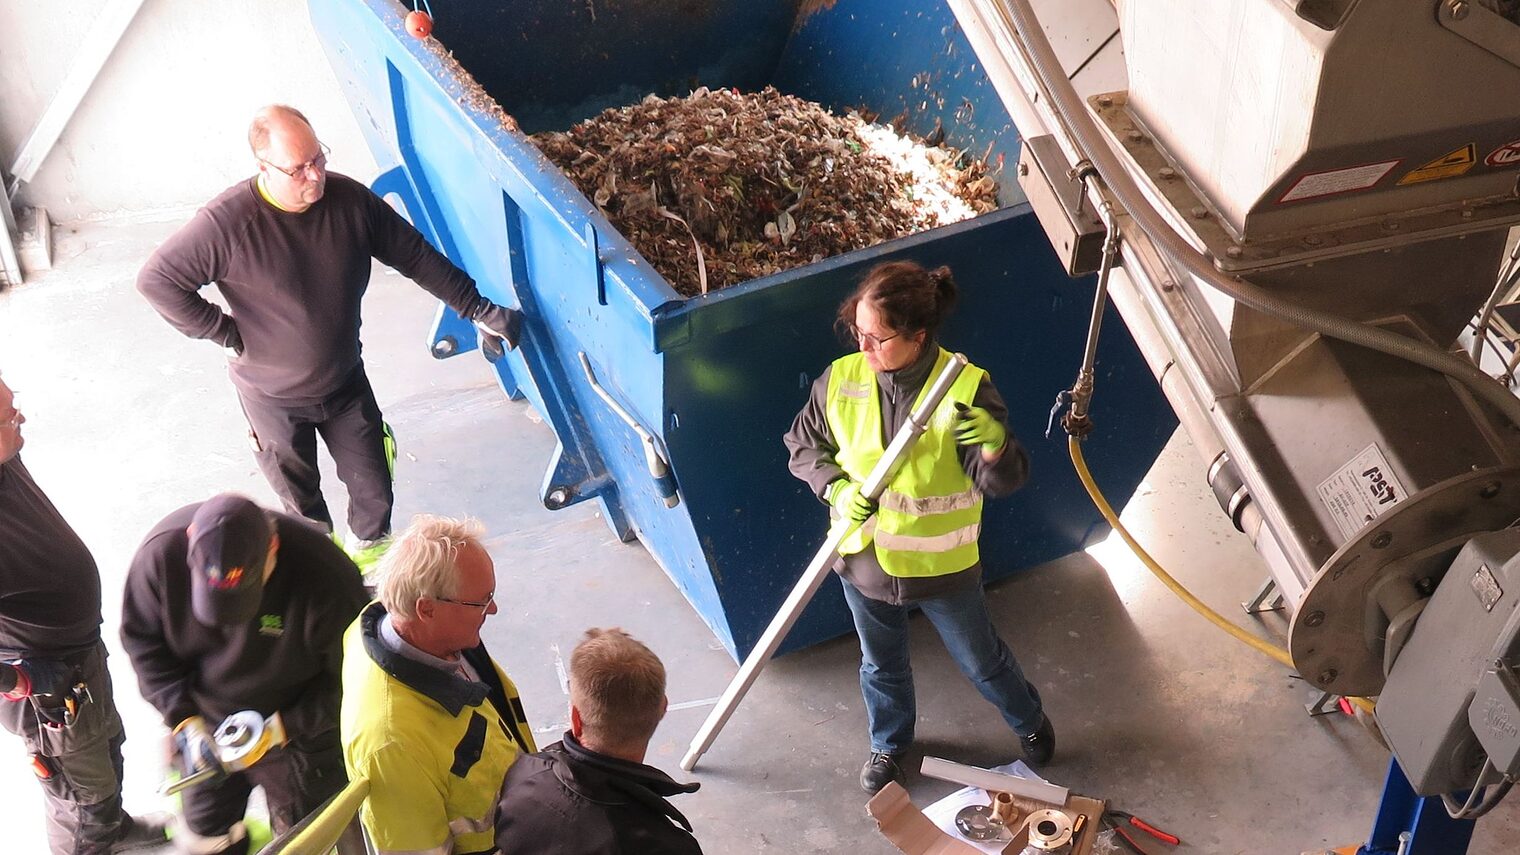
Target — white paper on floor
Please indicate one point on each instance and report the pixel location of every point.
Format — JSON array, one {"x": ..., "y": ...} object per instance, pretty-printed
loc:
[{"x": 942, "y": 813}]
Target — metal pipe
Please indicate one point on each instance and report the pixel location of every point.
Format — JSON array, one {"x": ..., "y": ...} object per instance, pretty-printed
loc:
[
  {"x": 802, "y": 593},
  {"x": 1072, "y": 115},
  {"x": 1081, "y": 393},
  {"x": 1501, "y": 285}
]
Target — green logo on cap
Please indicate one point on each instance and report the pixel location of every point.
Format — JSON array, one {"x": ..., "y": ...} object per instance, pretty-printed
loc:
[{"x": 271, "y": 625}]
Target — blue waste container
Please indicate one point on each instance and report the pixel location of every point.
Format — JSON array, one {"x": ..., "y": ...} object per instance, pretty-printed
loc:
[{"x": 714, "y": 381}]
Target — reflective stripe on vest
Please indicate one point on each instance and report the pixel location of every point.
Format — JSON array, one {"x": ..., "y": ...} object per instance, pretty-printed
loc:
[{"x": 930, "y": 515}]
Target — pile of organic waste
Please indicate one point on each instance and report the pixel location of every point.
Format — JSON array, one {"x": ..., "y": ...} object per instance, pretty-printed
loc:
[{"x": 721, "y": 187}]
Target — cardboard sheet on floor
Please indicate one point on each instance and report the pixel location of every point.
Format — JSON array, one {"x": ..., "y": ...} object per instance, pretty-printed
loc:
[{"x": 928, "y": 832}]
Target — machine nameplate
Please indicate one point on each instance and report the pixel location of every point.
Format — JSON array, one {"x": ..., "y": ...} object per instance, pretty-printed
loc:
[
  {"x": 1361, "y": 491},
  {"x": 1486, "y": 587},
  {"x": 1449, "y": 165},
  {"x": 1352, "y": 178}
]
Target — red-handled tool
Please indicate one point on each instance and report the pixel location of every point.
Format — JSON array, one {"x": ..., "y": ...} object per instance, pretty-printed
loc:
[{"x": 1119, "y": 819}]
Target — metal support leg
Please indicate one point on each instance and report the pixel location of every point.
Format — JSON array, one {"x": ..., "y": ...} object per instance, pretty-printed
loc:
[
  {"x": 1326, "y": 704},
  {"x": 1260, "y": 603},
  {"x": 10, "y": 264},
  {"x": 1408, "y": 824}
]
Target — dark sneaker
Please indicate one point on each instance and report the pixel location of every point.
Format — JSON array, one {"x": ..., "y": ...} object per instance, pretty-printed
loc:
[
  {"x": 1040, "y": 746},
  {"x": 142, "y": 832},
  {"x": 880, "y": 770}
]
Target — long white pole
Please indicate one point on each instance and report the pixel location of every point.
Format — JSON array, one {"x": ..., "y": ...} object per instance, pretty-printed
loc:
[{"x": 818, "y": 568}]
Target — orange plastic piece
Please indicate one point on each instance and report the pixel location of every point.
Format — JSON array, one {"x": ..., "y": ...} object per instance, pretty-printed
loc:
[{"x": 419, "y": 23}]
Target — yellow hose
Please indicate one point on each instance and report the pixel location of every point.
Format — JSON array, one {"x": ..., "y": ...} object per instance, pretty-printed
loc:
[{"x": 1272, "y": 650}]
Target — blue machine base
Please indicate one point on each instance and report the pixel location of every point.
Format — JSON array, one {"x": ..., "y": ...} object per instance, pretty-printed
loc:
[{"x": 1431, "y": 831}]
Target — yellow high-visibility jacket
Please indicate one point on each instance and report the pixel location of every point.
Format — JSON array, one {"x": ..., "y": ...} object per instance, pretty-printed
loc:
[
  {"x": 930, "y": 514},
  {"x": 433, "y": 746}
]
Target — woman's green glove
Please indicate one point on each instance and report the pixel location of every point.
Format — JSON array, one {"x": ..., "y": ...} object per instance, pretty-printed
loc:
[
  {"x": 978, "y": 427},
  {"x": 849, "y": 502}
]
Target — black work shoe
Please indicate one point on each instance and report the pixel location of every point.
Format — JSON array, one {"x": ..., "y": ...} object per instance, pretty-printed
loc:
[
  {"x": 1040, "y": 746},
  {"x": 141, "y": 832},
  {"x": 879, "y": 771}
]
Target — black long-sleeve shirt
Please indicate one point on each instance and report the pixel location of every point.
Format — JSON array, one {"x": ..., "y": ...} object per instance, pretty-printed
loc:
[
  {"x": 293, "y": 283},
  {"x": 812, "y": 449},
  {"x": 288, "y": 658},
  {"x": 49, "y": 584}
]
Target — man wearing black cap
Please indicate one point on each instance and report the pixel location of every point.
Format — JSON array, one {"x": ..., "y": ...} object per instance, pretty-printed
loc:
[
  {"x": 230, "y": 607},
  {"x": 55, "y": 691}
]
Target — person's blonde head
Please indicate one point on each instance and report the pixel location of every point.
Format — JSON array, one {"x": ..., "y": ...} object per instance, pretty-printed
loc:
[
  {"x": 618, "y": 686},
  {"x": 422, "y": 562}
]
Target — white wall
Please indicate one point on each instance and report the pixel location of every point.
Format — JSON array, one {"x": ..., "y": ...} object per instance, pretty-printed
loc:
[{"x": 164, "y": 127}]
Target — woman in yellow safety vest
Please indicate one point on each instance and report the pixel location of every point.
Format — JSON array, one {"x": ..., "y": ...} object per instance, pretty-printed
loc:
[{"x": 919, "y": 546}]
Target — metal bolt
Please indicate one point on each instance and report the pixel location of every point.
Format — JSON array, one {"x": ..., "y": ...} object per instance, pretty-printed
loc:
[
  {"x": 1314, "y": 619},
  {"x": 1490, "y": 490},
  {"x": 1105, "y": 101},
  {"x": 1134, "y": 135},
  {"x": 1383, "y": 539},
  {"x": 445, "y": 347},
  {"x": 1168, "y": 285},
  {"x": 1458, "y": 9},
  {"x": 1167, "y": 173},
  {"x": 1405, "y": 839},
  {"x": 559, "y": 496},
  {"x": 1313, "y": 240},
  {"x": 1426, "y": 586},
  {"x": 1467, "y": 213},
  {"x": 1234, "y": 252},
  {"x": 1023, "y": 169},
  {"x": 1328, "y": 675},
  {"x": 1199, "y": 212}
]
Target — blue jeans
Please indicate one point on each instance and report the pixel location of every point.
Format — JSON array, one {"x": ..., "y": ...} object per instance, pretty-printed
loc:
[{"x": 886, "y": 676}]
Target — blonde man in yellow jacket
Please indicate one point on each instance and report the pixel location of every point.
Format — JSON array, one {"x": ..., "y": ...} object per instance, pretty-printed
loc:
[{"x": 428, "y": 718}]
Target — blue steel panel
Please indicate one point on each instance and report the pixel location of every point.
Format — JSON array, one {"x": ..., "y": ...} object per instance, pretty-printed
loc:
[
  {"x": 718, "y": 378},
  {"x": 552, "y": 63}
]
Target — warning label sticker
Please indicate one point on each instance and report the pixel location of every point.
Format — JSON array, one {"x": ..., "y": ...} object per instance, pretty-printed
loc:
[
  {"x": 1347, "y": 180},
  {"x": 1505, "y": 155},
  {"x": 1449, "y": 165},
  {"x": 1361, "y": 491}
]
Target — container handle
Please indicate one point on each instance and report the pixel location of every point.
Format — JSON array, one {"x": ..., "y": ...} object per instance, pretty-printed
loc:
[{"x": 659, "y": 467}]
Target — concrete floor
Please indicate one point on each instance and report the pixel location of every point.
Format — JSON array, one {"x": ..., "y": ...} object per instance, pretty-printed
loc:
[{"x": 1155, "y": 710}]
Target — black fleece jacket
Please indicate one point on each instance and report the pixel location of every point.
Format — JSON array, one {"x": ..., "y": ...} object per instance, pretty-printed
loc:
[
  {"x": 49, "y": 585},
  {"x": 293, "y": 282},
  {"x": 570, "y": 800},
  {"x": 288, "y": 658}
]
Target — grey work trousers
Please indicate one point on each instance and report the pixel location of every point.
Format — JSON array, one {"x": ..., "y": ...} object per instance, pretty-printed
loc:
[{"x": 79, "y": 767}]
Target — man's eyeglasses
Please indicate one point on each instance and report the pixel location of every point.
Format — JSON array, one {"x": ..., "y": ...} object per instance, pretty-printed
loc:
[
  {"x": 316, "y": 164},
  {"x": 482, "y": 605},
  {"x": 871, "y": 342}
]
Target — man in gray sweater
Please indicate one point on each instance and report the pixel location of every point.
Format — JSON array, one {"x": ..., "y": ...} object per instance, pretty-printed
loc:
[{"x": 290, "y": 251}]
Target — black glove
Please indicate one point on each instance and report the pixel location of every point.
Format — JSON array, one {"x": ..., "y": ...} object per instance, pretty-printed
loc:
[
  {"x": 49, "y": 684},
  {"x": 230, "y": 339},
  {"x": 43, "y": 678},
  {"x": 10, "y": 678},
  {"x": 500, "y": 325}
]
